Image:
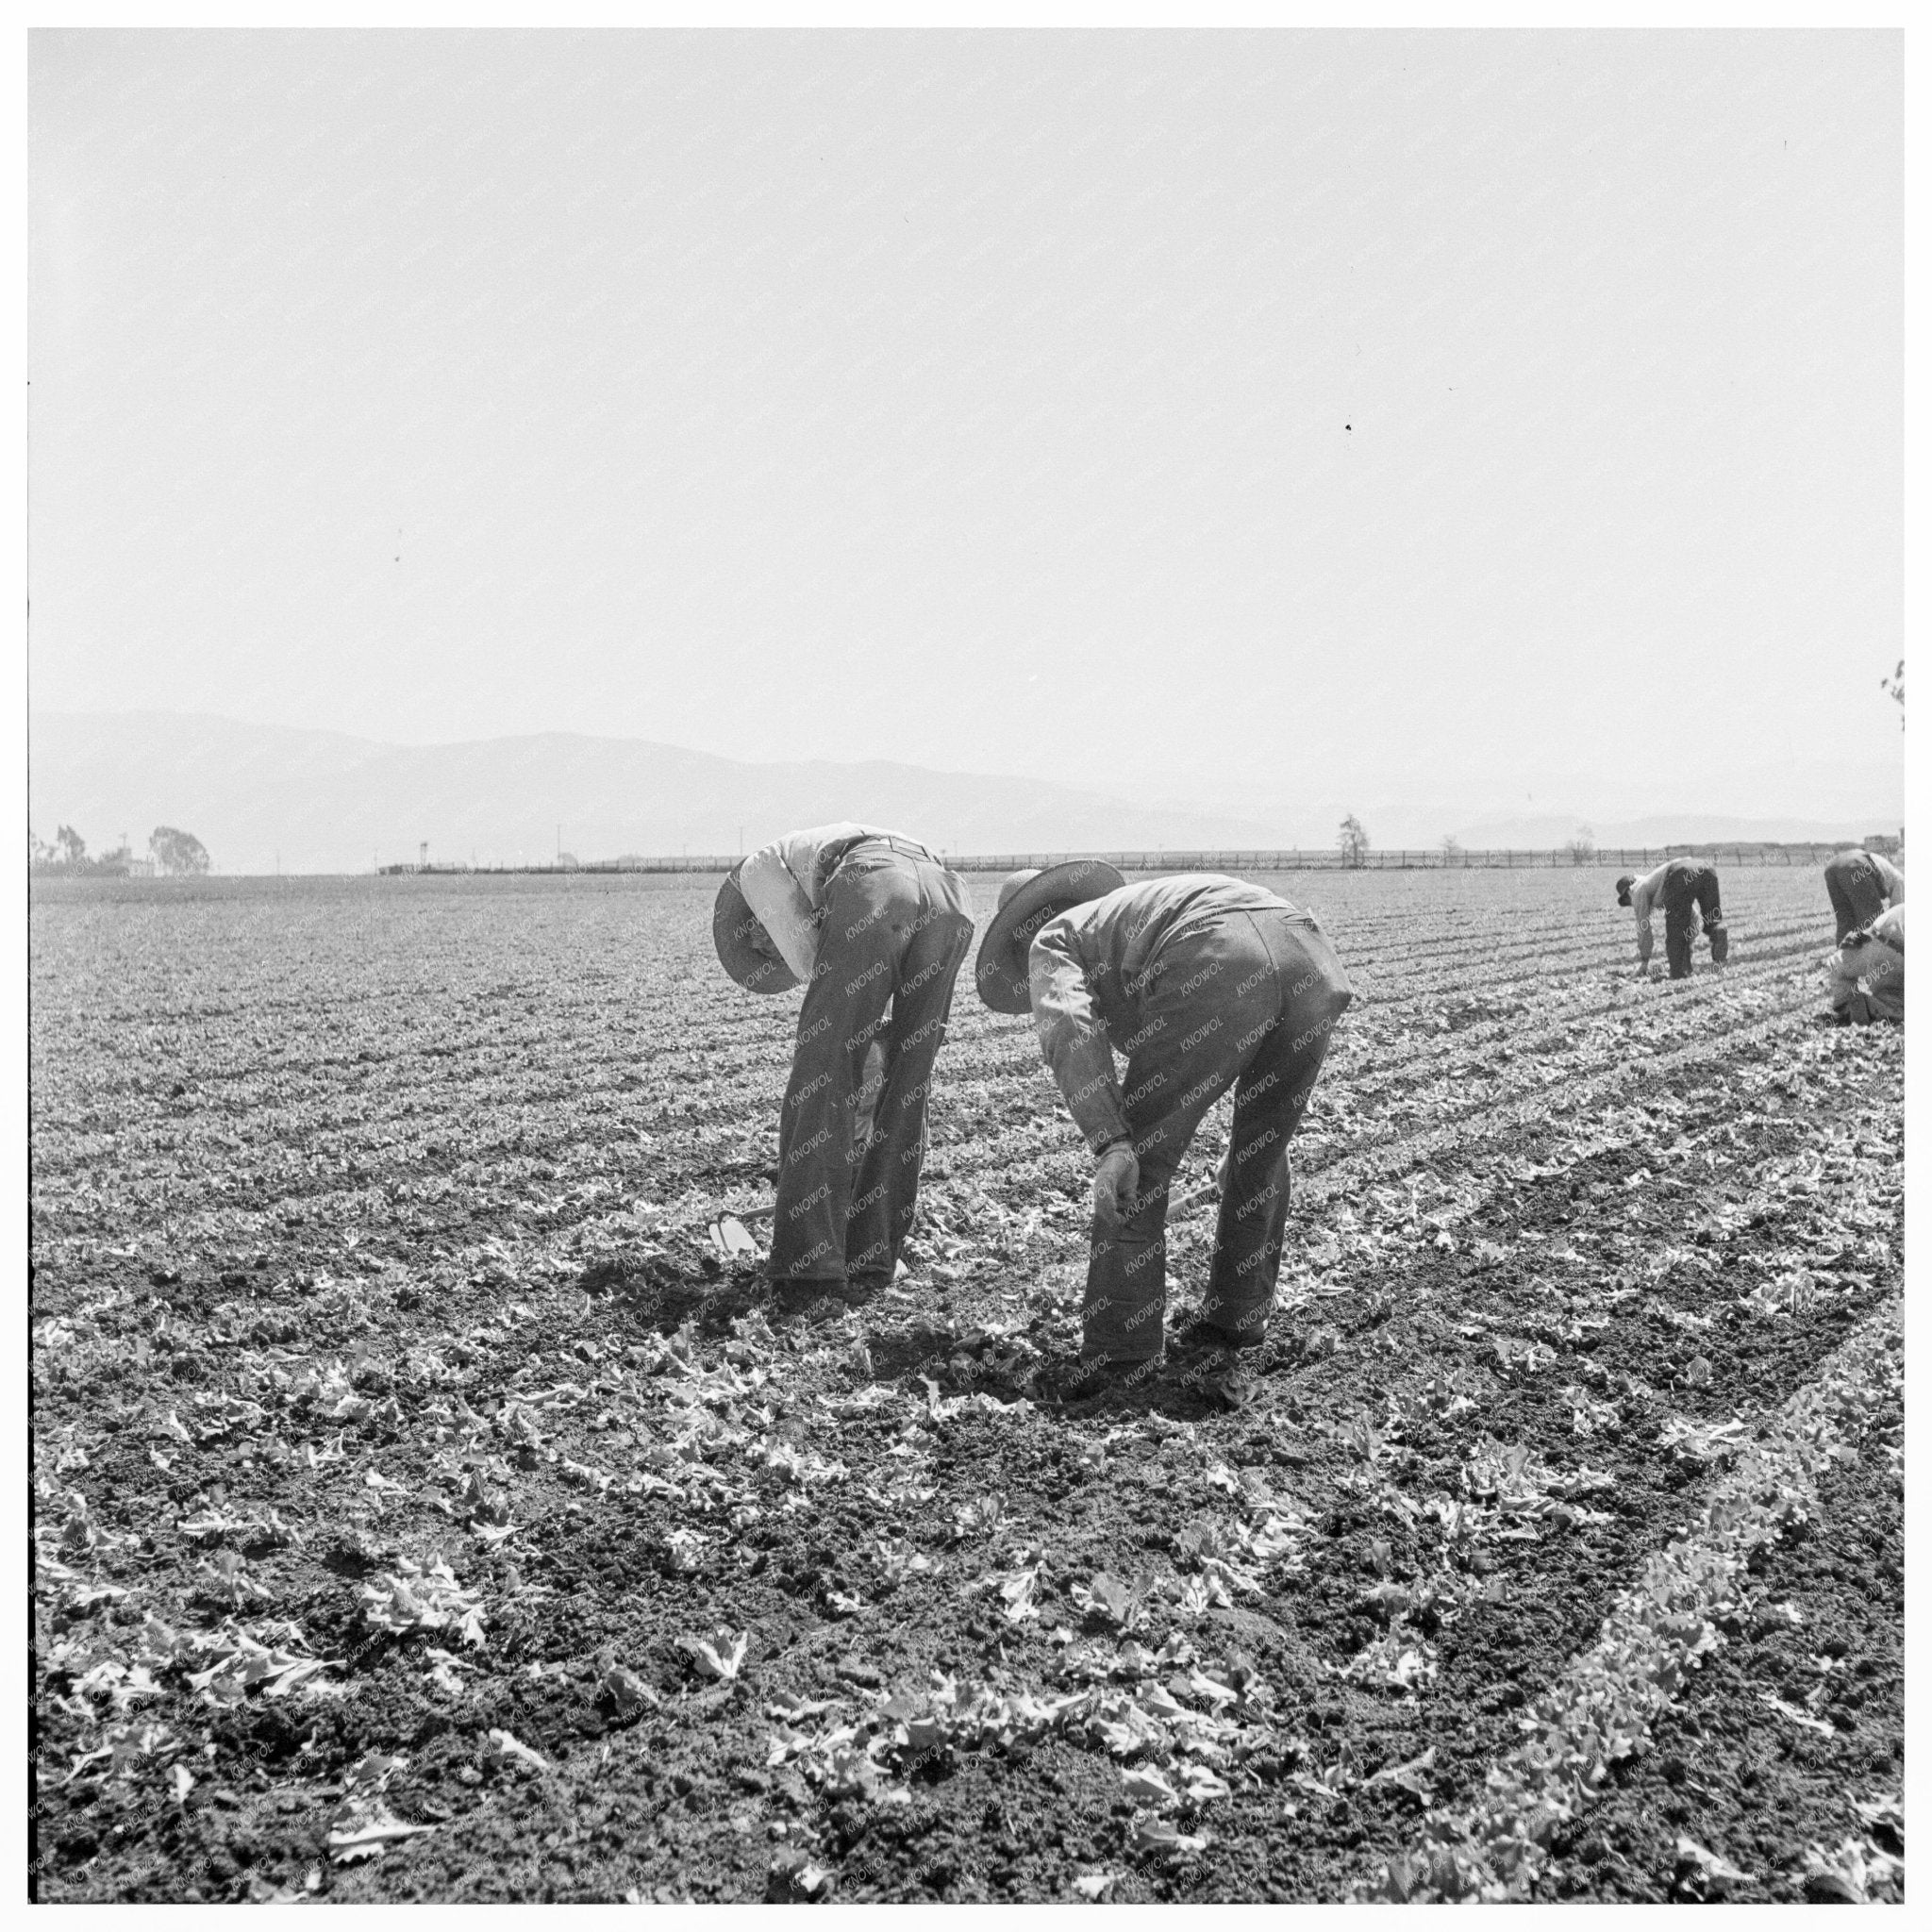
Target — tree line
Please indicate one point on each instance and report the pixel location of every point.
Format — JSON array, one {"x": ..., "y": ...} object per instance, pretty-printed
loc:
[
  {"x": 174, "y": 853},
  {"x": 1353, "y": 842}
]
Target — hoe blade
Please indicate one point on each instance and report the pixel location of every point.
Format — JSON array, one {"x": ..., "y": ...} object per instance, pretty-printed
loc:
[{"x": 731, "y": 1238}]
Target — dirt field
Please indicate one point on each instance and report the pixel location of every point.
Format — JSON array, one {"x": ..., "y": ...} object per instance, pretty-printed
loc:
[{"x": 424, "y": 1511}]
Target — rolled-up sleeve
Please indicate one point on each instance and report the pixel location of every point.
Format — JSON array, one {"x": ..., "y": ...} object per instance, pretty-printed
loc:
[
  {"x": 1072, "y": 1037},
  {"x": 1892, "y": 879},
  {"x": 784, "y": 911}
]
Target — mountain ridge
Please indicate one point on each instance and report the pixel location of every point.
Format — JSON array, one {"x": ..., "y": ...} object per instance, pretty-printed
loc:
[
  {"x": 267, "y": 797},
  {"x": 263, "y": 797}
]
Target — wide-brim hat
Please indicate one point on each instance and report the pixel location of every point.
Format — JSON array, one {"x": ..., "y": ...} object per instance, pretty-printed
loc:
[
  {"x": 1623, "y": 885},
  {"x": 1027, "y": 901},
  {"x": 736, "y": 931}
]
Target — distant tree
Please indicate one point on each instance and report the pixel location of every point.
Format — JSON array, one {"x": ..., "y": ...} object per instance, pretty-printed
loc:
[
  {"x": 40, "y": 854},
  {"x": 1894, "y": 687},
  {"x": 1582, "y": 848},
  {"x": 1352, "y": 841},
  {"x": 1452, "y": 850},
  {"x": 68, "y": 851},
  {"x": 176, "y": 852}
]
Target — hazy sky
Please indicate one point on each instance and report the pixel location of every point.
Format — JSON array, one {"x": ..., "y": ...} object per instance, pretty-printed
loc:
[{"x": 1503, "y": 420}]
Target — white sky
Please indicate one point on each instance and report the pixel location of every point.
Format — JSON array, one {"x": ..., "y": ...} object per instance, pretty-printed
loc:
[{"x": 1493, "y": 421}]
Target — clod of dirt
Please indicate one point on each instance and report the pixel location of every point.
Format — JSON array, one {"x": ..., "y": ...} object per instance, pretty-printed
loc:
[{"x": 1828, "y": 1888}]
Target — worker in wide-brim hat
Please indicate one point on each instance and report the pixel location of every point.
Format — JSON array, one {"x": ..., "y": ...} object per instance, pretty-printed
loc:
[
  {"x": 1861, "y": 885},
  {"x": 1203, "y": 983},
  {"x": 1867, "y": 973},
  {"x": 874, "y": 927},
  {"x": 1687, "y": 891}
]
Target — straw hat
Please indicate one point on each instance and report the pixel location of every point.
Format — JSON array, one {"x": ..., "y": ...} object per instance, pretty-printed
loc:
[
  {"x": 1027, "y": 901},
  {"x": 743, "y": 945}
]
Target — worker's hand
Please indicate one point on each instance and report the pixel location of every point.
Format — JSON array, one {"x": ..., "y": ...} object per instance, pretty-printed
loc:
[{"x": 1115, "y": 1181}]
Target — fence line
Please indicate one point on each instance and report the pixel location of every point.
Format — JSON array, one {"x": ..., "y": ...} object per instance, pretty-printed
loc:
[{"x": 1632, "y": 857}]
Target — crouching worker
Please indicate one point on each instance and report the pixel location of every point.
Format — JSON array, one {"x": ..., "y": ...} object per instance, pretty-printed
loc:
[
  {"x": 874, "y": 928},
  {"x": 1688, "y": 890},
  {"x": 1868, "y": 971},
  {"x": 1203, "y": 983},
  {"x": 1861, "y": 885}
]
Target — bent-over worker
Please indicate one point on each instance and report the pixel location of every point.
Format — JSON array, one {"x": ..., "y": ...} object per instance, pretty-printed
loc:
[
  {"x": 1203, "y": 983},
  {"x": 866, "y": 921},
  {"x": 1688, "y": 890},
  {"x": 1861, "y": 886},
  {"x": 1868, "y": 971}
]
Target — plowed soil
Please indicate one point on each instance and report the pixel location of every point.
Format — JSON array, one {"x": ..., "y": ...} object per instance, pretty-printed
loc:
[{"x": 370, "y": 1234}]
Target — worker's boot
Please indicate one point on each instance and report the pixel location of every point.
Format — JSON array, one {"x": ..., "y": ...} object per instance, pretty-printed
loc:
[
  {"x": 1198, "y": 1336},
  {"x": 793, "y": 1295},
  {"x": 1090, "y": 1377}
]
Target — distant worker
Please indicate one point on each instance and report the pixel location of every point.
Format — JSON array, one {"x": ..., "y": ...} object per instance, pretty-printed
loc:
[
  {"x": 864, "y": 919},
  {"x": 1862, "y": 885},
  {"x": 1868, "y": 971},
  {"x": 1681, "y": 885},
  {"x": 1202, "y": 983}
]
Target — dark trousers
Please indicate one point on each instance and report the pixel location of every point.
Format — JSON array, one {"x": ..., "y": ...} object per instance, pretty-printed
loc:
[
  {"x": 1856, "y": 896},
  {"x": 1690, "y": 894},
  {"x": 893, "y": 931},
  {"x": 1245, "y": 1000}
]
